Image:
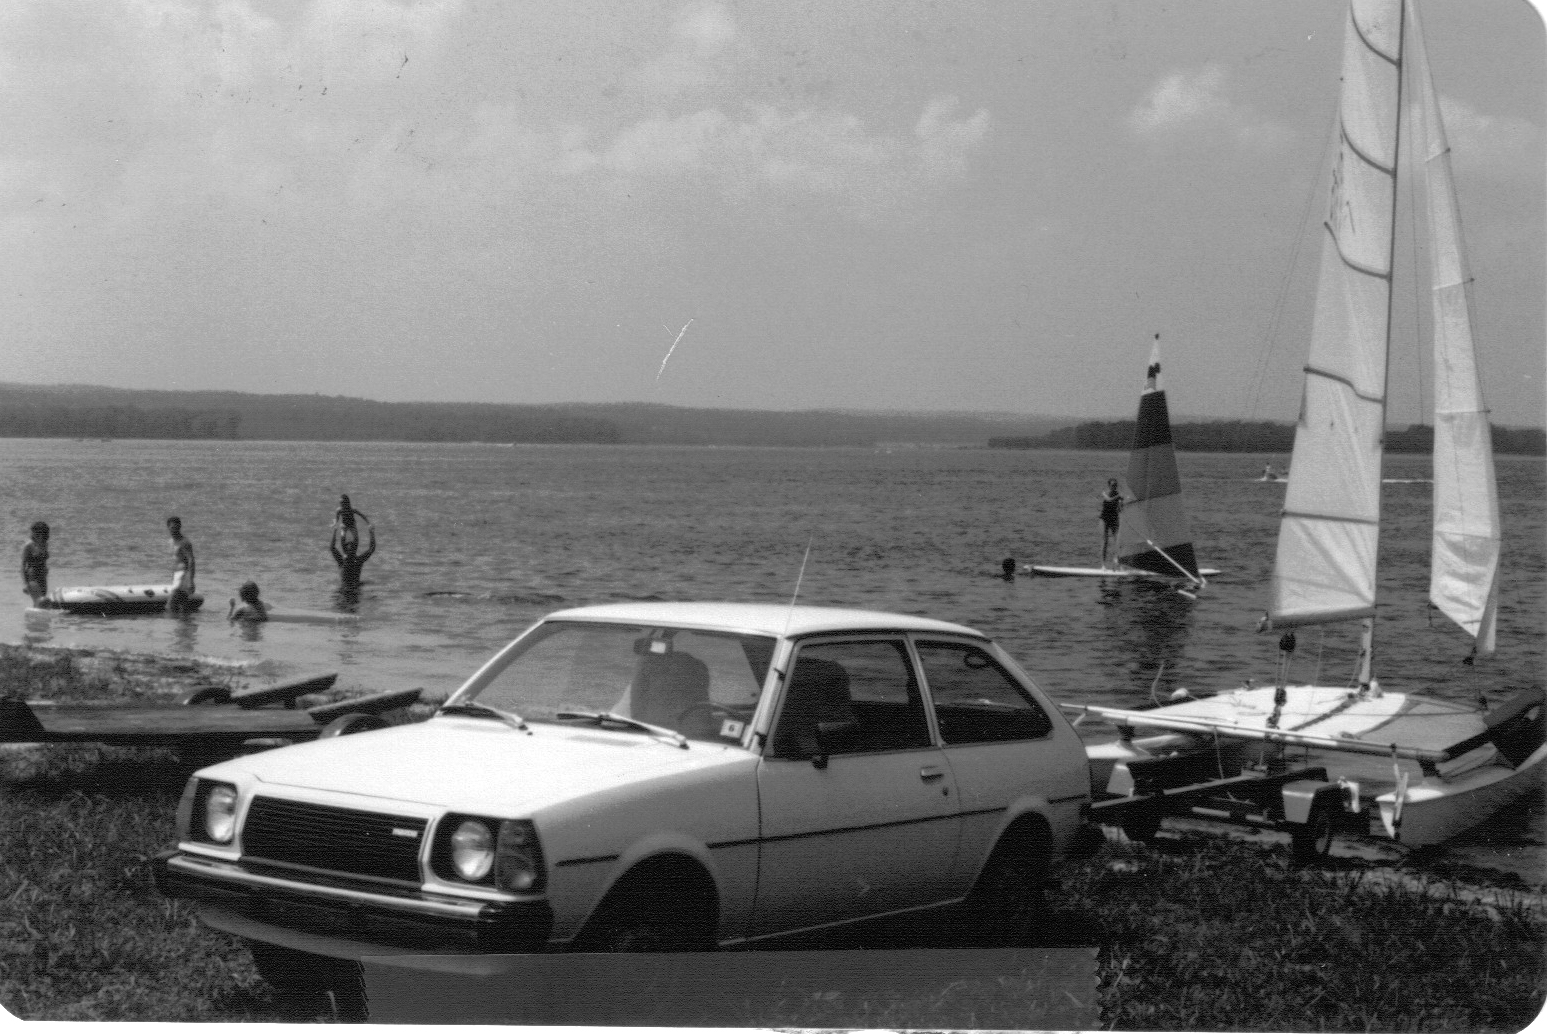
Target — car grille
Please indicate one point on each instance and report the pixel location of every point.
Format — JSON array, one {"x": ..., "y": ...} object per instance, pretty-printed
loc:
[{"x": 343, "y": 840}]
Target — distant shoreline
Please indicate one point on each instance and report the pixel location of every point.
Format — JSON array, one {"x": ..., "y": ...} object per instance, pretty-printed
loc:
[{"x": 95, "y": 413}]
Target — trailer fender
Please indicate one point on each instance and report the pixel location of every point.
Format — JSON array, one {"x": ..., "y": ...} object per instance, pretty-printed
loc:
[{"x": 1302, "y": 796}]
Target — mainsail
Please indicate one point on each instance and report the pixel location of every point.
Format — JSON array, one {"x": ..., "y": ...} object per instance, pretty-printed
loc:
[
  {"x": 1153, "y": 534},
  {"x": 1328, "y": 538},
  {"x": 1463, "y": 579}
]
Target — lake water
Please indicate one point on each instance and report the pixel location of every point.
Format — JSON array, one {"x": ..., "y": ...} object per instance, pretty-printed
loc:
[{"x": 478, "y": 541}]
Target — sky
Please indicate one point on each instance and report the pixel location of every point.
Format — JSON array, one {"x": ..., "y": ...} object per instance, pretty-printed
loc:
[{"x": 771, "y": 204}]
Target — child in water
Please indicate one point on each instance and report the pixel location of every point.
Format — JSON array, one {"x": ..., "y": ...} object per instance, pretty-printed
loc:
[
  {"x": 251, "y": 608},
  {"x": 344, "y": 523}
]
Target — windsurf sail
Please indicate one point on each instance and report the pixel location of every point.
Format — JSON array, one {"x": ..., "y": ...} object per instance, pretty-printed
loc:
[{"x": 1153, "y": 533}]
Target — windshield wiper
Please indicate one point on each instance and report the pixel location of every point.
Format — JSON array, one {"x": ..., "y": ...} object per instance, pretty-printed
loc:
[
  {"x": 604, "y": 717},
  {"x": 473, "y": 707}
]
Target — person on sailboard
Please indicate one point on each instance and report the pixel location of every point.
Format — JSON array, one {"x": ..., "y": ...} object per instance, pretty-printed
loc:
[
  {"x": 251, "y": 608},
  {"x": 34, "y": 565},
  {"x": 183, "y": 576},
  {"x": 1111, "y": 514}
]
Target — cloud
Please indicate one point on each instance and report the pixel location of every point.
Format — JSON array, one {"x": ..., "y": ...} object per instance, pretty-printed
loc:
[
  {"x": 1499, "y": 146},
  {"x": 809, "y": 151},
  {"x": 1198, "y": 100}
]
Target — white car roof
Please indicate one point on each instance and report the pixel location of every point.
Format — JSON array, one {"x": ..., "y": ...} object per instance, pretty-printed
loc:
[{"x": 773, "y": 619}]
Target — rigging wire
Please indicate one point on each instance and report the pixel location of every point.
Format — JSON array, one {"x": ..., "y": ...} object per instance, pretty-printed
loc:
[{"x": 1276, "y": 316}]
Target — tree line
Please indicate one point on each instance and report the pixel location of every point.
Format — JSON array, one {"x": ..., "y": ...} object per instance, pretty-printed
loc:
[{"x": 1253, "y": 436}]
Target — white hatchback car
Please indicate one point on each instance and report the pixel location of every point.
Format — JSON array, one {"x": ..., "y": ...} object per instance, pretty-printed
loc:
[{"x": 649, "y": 776}]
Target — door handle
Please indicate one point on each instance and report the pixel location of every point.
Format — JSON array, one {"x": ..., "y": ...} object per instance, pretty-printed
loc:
[{"x": 930, "y": 773}]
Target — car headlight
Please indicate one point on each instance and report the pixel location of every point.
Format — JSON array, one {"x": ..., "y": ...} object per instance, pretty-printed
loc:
[
  {"x": 220, "y": 813},
  {"x": 472, "y": 850},
  {"x": 504, "y": 854}
]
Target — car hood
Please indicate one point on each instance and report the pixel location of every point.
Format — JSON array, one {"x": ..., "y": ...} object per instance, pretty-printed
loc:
[{"x": 470, "y": 763}]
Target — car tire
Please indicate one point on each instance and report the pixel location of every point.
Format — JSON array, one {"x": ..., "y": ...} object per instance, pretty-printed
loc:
[
  {"x": 307, "y": 986},
  {"x": 1008, "y": 902},
  {"x": 649, "y": 933}
]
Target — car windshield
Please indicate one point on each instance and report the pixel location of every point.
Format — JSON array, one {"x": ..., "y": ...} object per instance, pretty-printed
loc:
[{"x": 701, "y": 684}]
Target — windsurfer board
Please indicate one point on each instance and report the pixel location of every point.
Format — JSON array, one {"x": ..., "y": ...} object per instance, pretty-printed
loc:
[
  {"x": 1123, "y": 573},
  {"x": 310, "y": 617},
  {"x": 115, "y": 599}
]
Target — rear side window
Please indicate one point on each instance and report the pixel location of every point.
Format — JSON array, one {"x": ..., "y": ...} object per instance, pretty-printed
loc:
[{"x": 975, "y": 699}]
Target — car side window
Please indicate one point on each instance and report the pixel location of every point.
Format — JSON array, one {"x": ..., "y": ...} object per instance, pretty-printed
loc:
[
  {"x": 850, "y": 698},
  {"x": 975, "y": 699}
]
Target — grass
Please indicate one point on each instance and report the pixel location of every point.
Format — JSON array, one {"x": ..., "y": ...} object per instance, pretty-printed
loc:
[{"x": 1195, "y": 933}]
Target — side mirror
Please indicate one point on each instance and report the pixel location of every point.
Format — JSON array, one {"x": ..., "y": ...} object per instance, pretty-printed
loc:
[{"x": 831, "y": 735}]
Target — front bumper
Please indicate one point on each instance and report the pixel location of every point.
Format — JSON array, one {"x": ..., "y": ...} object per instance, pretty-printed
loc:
[{"x": 363, "y": 919}]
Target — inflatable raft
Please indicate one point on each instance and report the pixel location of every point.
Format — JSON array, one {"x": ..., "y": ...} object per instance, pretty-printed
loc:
[{"x": 115, "y": 599}]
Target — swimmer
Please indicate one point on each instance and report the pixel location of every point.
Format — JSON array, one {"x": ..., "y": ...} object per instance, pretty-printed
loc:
[
  {"x": 183, "y": 577},
  {"x": 251, "y": 607},
  {"x": 34, "y": 565},
  {"x": 1007, "y": 569}
]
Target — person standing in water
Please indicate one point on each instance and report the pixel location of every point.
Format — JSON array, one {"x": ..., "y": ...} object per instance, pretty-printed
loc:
[
  {"x": 34, "y": 565},
  {"x": 1111, "y": 516},
  {"x": 344, "y": 527},
  {"x": 183, "y": 577},
  {"x": 346, "y": 555}
]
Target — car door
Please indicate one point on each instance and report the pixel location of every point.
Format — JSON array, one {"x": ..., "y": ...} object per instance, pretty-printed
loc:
[
  {"x": 858, "y": 805},
  {"x": 1001, "y": 743}
]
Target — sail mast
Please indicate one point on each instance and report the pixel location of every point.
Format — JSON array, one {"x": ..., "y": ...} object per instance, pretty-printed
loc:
[{"x": 1328, "y": 541}]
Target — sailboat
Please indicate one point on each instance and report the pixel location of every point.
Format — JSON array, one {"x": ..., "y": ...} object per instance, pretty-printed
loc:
[
  {"x": 1154, "y": 541},
  {"x": 1432, "y": 767}
]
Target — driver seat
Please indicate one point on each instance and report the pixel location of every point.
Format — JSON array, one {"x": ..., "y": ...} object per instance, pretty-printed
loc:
[{"x": 666, "y": 685}]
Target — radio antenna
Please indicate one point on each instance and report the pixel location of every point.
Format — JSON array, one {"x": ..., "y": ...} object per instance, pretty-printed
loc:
[{"x": 790, "y": 614}]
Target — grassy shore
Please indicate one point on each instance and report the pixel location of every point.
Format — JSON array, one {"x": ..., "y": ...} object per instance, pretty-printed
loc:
[{"x": 1195, "y": 933}]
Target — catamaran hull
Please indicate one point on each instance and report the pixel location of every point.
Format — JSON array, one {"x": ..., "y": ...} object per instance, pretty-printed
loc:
[
  {"x": 1436, "y": 811},
  {"x": 1462, "y": 765}
]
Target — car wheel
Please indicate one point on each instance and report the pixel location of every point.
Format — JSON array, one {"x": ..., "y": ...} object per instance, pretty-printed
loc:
[
  {"x": 641, "y": 932},
  {"x": 307, "y": 986},
  {"x": 1008, "y": 901}
]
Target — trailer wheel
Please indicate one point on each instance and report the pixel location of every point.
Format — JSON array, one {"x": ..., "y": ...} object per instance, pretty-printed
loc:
[
  {"x": 1312, "y": 840},
  {"x": 1141, "y": 825}
]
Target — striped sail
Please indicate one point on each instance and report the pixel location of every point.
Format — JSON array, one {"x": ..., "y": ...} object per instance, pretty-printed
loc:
[
  {"x": 1154, "y": 525},
  {"x": 1329, "y": 533},
  {"x": 1464, "y": 562}
]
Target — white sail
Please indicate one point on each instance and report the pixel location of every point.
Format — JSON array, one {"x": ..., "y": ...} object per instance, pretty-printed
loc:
[
  {"x": 1329, "y": 534},
  {"x": 1463, "y": 579}
]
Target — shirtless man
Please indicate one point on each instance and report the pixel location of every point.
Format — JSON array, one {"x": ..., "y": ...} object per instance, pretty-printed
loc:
[
  {"x": 1111, "y": 515},
  {"x": 34, "y": 565},
  {"x": 183, "y": 578}
]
